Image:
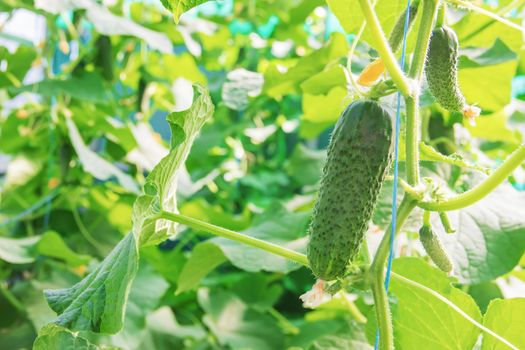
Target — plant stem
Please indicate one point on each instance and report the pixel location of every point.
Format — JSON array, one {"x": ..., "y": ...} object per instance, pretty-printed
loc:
[
  {"x": 412, "y": 102},
  {"x": 11, "y": 298},
  {"x": 412, "y": 139},
  {"x": 381, "y": 44},
  {"x": 235, "y": 236},
  {"x": 483, "y": 189},
  {"x": 377, "y": 273},
  {"x": 423, "y": 37},
  {"x": 352, "y": 308},
  {"x": 487, "y": 13}
]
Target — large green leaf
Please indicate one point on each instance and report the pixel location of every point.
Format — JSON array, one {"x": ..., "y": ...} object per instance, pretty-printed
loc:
[
  {"x": 421, "y": 321},
  {"x": 277, "y": 84},
  {"x": 321, "y": 111},
  {"x": 97, "y": 303},
  {"x": 490, "y": 236},
  {"x": 506, "y": 317},
  {"x": 86, "y": 87},
  {"x": 204, "y": 259},
  {"x": 236, "y": 325},
  {"x": 351, "y": 17},
  {"x": 55, "y": 337}
]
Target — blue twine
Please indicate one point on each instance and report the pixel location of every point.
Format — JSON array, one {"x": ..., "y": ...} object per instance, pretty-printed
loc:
[{"x": 396, "y": 165}]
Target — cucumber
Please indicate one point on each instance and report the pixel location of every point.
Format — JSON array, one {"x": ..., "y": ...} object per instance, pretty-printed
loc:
[
  {"x": 442, "y": 73},
  {"x": 396, "y": 35},
  {"x": 434, "y": 249},
  {"x": 358, "y": 157}
]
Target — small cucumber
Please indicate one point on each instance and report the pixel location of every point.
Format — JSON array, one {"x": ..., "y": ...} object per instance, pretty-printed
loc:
[
  {"x": 358, "y": 157},
  {"x": 442, "y": 73},
  {"x": 434, "y": 249}
]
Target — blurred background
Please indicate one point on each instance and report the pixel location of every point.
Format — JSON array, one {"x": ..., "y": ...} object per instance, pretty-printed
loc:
[{"x": 85, "y": 88}]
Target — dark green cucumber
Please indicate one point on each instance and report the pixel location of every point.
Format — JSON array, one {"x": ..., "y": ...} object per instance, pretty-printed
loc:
[
  {"x": 358, "y": 157},
  {"x": 442, "y": 69},
  {"x": 434, "y": 249}
]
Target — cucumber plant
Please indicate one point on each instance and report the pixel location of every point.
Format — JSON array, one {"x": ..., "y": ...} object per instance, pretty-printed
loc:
[{"x": 332, "y": 251}]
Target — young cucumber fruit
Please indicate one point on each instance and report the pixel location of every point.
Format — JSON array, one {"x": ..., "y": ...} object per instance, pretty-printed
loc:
[
  {"x": 358, "y": 157},
  {"x": 442, "y": 73},
  {"x": 434, "y": 249}
]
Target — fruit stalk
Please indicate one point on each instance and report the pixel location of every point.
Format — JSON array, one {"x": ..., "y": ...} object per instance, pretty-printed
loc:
[
  {"x": 483, "y": 189},
  {"x": 235, "y": 236}
]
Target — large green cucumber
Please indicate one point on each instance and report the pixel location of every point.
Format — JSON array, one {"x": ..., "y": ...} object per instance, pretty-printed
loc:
[
  {"x": 442, "y": 69},
  {"x": 358, "y": 157}
]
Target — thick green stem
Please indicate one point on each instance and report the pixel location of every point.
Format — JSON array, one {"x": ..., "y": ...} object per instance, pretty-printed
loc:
[
  {"x": 423, "y": 37},
  {"x": 377, "y": 273},
  {"x": 381, "y": 44},
  {"x": 484, "y": 188},
  {"x": 412, "y": 140},
  {"x": 412, "y": 102},
  {"x": 235, "y": 236}
]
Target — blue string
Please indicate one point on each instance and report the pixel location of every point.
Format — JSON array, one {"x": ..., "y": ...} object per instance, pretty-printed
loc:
[{"x": 396, "y": 165}]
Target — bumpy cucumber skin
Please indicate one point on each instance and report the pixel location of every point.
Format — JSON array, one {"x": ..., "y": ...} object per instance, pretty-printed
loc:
[
  {"x": 442, "y": 69},
  {"x": 434, "y": 249},
  {"x": 358, "y": 157},
  {"x": 396, "y": 35}
]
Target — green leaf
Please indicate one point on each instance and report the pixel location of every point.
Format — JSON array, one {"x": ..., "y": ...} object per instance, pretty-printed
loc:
[
  {"x": 490, "y": 236},
  {"x": 178, "y": 7},
  {"x": 305, "y": 165},
  {"x": 277, "y": 84},
  {"x": 51, "y": 244},
  {"x": 477, "y": 84},
  {"x": 278, "y": 226},
  {"x": 323, "y": 82},
  {"x": 236, "y": 325},
  {"x": 417, "y": 314},
  {"x": 477, "y": 30},
  {"x": 164, "y": 332},
  {"x": 53, "y": 337},
  {"x": 161, "y": 183},
  {"x": 97, "y": 303},
  {"x": 484, "y": 293},
  {"x": 351, "y": 17},
  {"x": 477, "y": 57},
  {"x": 17, "y": 64},
  {"x": 495, "y": 127},
  {"x": 96, "y": 165},
  {"x": 86, "y": 87},
  {"x": 147, "y": 290},
  {"x": 506, "y": 317},
  {"x": 18, "y": 251},
  {"x": 205, "y": 257},
  {"x": 258, "y": 291},
  {"x": 322, "y": 111}
]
